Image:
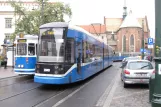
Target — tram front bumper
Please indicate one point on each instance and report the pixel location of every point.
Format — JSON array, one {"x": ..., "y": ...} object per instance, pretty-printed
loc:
[{"x": 51, "y": 80}]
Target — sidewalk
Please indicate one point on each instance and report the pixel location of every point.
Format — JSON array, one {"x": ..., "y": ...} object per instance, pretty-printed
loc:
[
  {"x": 133, "y": 96},
  {"x": 4, "y": 73}
]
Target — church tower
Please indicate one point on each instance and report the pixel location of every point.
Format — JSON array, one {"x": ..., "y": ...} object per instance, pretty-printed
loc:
[{"x": 124, "y": 10}]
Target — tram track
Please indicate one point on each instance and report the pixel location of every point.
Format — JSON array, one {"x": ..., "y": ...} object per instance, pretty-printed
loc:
[
  {"x": 13, "y": 80},
  {"x": 17, "y": 89}
]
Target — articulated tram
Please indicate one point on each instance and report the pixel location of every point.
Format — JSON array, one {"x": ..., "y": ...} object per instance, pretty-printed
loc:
[
  {"x": 67, "y": 54},
  {"x": 26, "y": 54}
]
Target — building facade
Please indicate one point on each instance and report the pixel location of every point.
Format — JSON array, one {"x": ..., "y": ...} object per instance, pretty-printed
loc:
[
  {"x": 124, "y": 34},
  {"x": 8, "y": 18}
]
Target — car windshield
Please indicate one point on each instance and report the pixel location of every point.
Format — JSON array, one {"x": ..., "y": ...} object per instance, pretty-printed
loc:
[{"x": 138, "y": 65}]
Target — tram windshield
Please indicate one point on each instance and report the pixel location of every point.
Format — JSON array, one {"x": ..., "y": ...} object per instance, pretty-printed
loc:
[
  {"x": 21, "y": 49},
  {"x": 51, "y": 45}
]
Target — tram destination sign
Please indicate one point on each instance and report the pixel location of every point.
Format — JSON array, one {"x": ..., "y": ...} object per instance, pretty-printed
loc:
[
  {"x": 48, "y": 33},
  {"x": 22, "y": 41}
]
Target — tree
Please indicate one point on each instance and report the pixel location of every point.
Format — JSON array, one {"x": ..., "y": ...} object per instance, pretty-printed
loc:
[{"x": 28, "y": 21}]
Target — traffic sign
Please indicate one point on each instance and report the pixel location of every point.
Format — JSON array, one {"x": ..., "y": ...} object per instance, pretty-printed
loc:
[
  {"x": 150, "y": 46},
  {"x": 150, "y": 41},
  {"x": 142, "y": 50}
]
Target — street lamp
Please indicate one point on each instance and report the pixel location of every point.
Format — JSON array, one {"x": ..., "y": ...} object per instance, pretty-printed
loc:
[{"x": 156, "y": 100}]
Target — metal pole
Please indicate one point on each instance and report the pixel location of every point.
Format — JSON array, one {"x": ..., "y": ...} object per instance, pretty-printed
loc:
[
  {"x": 13, "y": 50},
  {"x": 156, "y": 99},
  {"x": 143, "y": 39}
]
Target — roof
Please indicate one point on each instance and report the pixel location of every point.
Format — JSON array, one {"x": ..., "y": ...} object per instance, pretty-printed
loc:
[
  {"x": 54, "y": 24},
  {"x": 84, "y": 31},
  {"x": 113, "y": 24},
  {"x": 28, "y": 37},
  {"x": 130, "y": 21},
  {"x": 94, "y": 29}
]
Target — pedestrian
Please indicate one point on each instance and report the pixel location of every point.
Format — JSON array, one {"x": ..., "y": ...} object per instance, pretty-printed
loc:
[{"x": 5, "y": 62}]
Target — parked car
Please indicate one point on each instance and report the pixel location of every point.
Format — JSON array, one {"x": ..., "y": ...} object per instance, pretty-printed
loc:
[
  {"x": 137, "y": 71},
  {"x": 125, "y": 60}
]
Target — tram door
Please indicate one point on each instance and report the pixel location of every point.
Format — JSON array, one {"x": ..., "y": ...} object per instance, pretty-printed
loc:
[{"x": 79, "y": 57}]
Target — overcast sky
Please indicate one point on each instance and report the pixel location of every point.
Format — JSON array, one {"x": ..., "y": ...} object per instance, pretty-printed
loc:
[{"x": 93, "y": 11}]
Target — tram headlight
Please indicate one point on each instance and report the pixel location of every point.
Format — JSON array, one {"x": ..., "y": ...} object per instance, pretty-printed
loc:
[
  {"x": 56, "y": 67},
  {"x": 61, "y": 69},
  {"x": 19, "y": 66},
  {"x": 22, "y": 66}
]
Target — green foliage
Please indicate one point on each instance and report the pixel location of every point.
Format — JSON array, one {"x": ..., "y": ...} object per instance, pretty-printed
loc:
[{"x": 29, "y": 21}]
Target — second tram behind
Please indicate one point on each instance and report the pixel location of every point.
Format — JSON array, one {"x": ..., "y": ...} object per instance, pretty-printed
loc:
[
  {"x": 68, "y": 54},
  {"x": 26, "y": 54}
]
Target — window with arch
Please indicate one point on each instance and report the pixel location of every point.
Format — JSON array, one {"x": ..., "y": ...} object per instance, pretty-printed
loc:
[
  {"x": 124, "y": 43},
  {"x": 132, "y": 40}
]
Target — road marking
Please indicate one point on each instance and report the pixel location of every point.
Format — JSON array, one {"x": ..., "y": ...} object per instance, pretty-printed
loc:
[
  {"x": 37, "y": 105},
  {"x": 102, "y": 99},
  {"x": 141, "y": 92},
  {"x": 112, "y": 91},
  {"x": 70, "y": 95}
]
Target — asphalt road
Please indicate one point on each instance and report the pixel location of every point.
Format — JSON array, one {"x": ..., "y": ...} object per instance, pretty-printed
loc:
[{"x": 83, "y": 94}]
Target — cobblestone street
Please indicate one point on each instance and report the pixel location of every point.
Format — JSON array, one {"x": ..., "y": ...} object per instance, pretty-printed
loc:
[{"x": 133, "y": 96}]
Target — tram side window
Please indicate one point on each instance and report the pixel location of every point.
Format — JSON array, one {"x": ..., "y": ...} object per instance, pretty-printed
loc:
[
  {"x": 31, "y": 49},
  {"x": 36, "y": 49},
  {"x": 70, "y": 50},
  {"x": 88, "y": 52}
]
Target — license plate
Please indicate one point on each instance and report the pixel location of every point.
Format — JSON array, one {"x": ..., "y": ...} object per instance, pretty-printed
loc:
[
  {"x": 46, "y": 70},
  {"x": 141, "y": 80},
  {"x": 141, "y": 75}
]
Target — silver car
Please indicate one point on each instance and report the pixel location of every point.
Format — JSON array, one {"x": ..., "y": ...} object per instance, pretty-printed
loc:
[{"x": 137, "y": 71}]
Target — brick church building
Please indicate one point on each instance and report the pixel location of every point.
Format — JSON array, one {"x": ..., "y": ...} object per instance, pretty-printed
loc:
[{"x": 123, "y": 34}]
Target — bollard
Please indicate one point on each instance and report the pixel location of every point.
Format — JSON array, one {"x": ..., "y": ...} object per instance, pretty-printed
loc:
[{"x": 151, "y": 87}]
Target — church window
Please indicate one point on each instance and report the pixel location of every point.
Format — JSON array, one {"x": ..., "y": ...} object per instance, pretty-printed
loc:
[
  {"x": 132, "y": 40},
  {"x": 124, "y": 43}
]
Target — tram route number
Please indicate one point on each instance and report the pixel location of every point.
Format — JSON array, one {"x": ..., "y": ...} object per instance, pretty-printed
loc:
[
  {"x": 46, "y": 70},
  {"x": 22, "y": 40}
]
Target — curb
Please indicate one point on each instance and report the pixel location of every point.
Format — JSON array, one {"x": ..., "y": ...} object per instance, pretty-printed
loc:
[{"x": 3, "y": 78}]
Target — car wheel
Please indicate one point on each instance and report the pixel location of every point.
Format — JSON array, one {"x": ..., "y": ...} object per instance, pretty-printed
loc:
[{"x": 125, "y": 85}]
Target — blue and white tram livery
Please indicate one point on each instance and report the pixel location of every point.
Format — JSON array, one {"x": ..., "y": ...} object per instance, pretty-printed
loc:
[
  {"x": 68, "y": 54},
  {"x": 26, "y": 54}
]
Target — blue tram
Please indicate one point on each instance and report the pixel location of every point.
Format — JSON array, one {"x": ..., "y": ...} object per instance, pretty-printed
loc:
[
  {"x": 26, "y": 54},
  {"x": 68, "y": 54}
]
